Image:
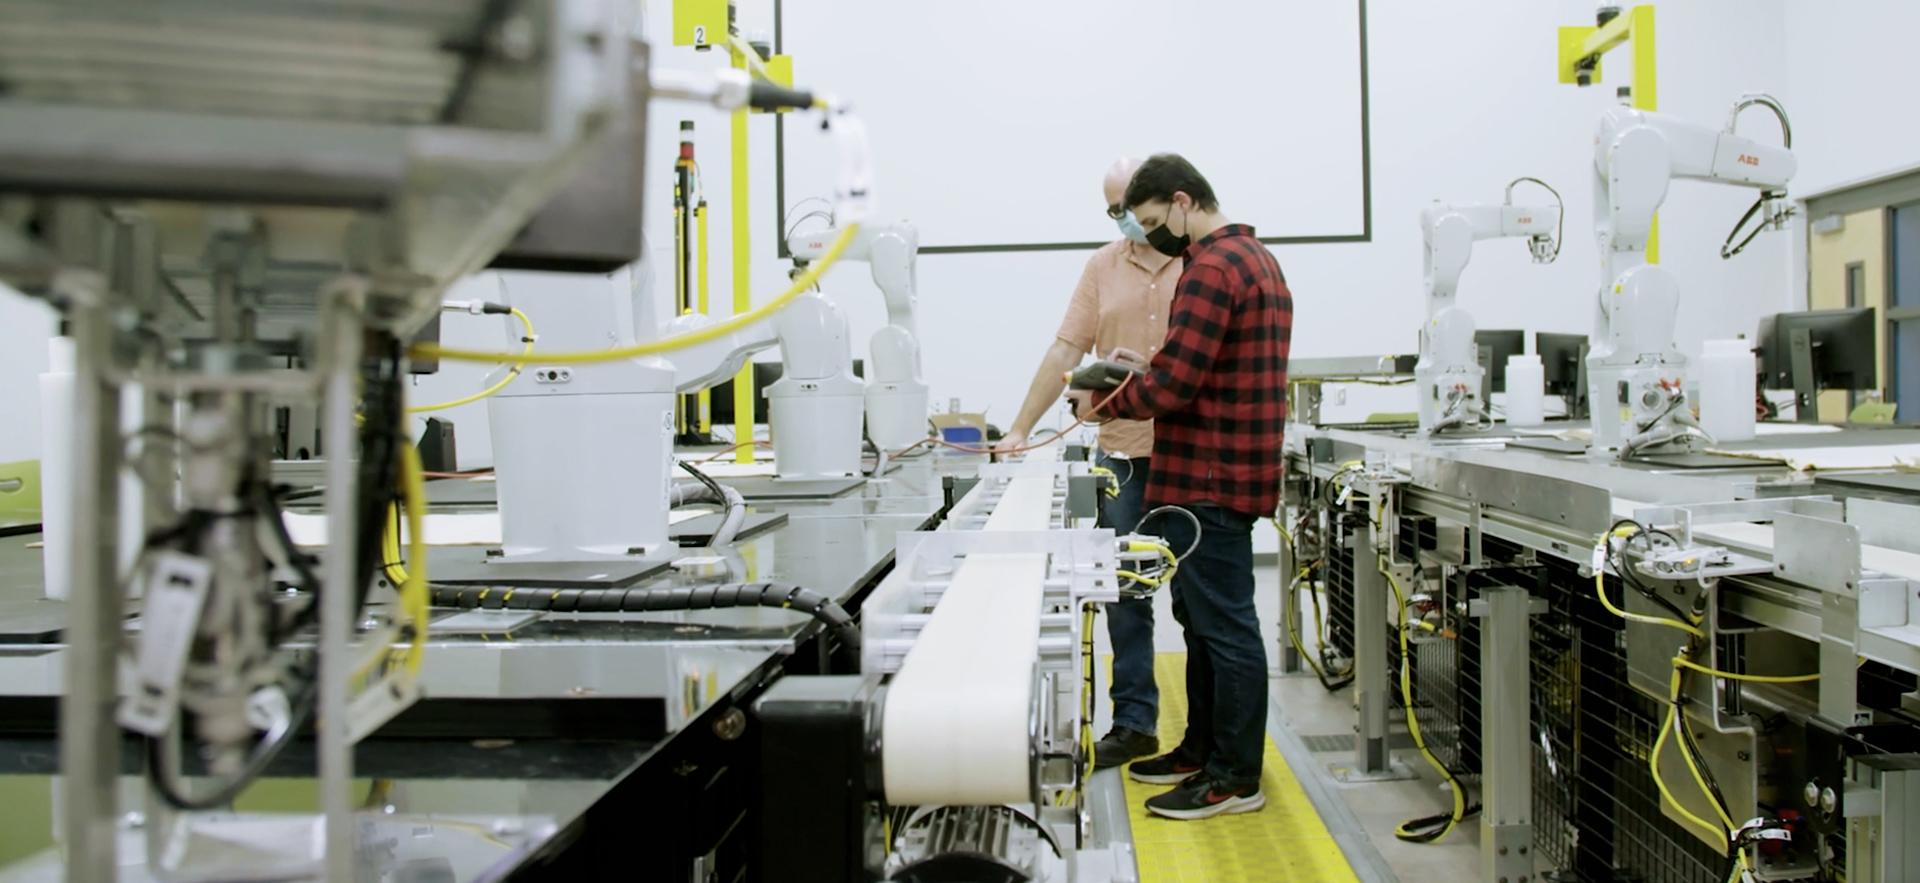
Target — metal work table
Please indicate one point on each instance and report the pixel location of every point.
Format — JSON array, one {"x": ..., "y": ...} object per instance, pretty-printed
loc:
[
  {"x": 530, "y": 729},
  {"x": 1512, "y": 532}
]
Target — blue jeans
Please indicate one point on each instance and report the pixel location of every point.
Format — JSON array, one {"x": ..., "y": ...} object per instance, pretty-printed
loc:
[
  {"x": 1136, "y": 698},
  {"x": 1226, "y": 658}
]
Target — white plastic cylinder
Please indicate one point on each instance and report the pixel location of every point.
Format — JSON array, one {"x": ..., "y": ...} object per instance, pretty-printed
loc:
[
  {"x": 56, "y": 467},
  {"x": 1526, "y": 391},
  {"x": 1726, "y": 371}
]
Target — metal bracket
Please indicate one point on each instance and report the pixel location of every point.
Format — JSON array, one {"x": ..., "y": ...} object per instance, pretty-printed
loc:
[
  {"x": 1688, "y": 516},
  {"x": 1478, "y": 607},
  {"x": 1819, "y": 553},
  {"x": 1085, "y": 556},
  {"x": 1888, "y": 602}
]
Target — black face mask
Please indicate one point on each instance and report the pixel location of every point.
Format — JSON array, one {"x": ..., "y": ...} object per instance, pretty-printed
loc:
[{"x": 1164, "y": 242}]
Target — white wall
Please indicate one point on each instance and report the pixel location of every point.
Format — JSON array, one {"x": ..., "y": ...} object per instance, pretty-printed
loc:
[
  {"x": 1046, "y": 101},
  {"x": 1463, "y": 99},
  {"x": 1852, "y": 109}
]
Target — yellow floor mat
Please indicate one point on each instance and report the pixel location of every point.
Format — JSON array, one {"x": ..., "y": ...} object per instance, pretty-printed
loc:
[{"x": 1284, "y": 841}]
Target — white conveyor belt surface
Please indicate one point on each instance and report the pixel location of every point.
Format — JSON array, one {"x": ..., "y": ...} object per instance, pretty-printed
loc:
[{"x": 955, "y": 727}]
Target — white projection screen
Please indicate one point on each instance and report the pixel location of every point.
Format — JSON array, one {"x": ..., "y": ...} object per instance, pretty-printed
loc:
[{"x": 992, "y": 120}]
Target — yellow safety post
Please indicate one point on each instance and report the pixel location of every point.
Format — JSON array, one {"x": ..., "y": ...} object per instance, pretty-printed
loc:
[
  {"x": 680, "y": 268},
  {"x": 742, "y": 275},
  {"x": 1579, "y": 64},
  {"x": 700, "y": 223},
  {"x": 699, "y": 23}
]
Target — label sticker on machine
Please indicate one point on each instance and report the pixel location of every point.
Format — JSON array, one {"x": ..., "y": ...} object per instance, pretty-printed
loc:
[{"x": 176, "y": 591}]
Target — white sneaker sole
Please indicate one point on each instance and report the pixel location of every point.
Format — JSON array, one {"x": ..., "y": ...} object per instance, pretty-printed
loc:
[
  {"x": 1162, "y": 778},
  {"x": 1251, "y": 803}
]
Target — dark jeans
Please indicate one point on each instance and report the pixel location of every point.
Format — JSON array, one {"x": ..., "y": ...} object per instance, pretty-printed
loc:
[
  {"x": 1136, "y": 698},
  {"x": 1226, "y": 658}
]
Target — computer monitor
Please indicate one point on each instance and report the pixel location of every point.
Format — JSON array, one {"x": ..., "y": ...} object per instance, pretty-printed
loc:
[
  {"x": 720, "y": 402},
  {"x": 1563, "y": 358},
  {"x": 1815, "y": 350},
  {"x": 1495, "y": 347}
]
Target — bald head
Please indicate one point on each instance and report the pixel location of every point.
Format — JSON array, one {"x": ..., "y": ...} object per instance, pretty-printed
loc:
[{"x": 1118, "y": 175}]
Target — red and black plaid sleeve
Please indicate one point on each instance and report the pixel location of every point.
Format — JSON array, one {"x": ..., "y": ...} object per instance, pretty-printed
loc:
[{"x": 1217, "y": 388}]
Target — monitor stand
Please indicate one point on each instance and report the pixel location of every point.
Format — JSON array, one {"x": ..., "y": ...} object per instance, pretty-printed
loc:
[
  {"x": 1486, "y": 380},
  {"x": 1806, "y": 394},
  {"x": 1578, "y": 407}
]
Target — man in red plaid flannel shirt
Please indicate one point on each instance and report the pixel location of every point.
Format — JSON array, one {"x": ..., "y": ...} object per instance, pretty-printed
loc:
[{"x": 1217, "y": 393}]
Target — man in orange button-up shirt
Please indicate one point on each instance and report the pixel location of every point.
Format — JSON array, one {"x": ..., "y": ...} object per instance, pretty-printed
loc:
[{"x": 1120, "y": 304}]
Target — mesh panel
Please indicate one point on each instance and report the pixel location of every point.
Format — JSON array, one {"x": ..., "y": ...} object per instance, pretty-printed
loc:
[
  {"x": 1339, "y": 577},
  {"x": 1597, "y": 812},
  {"x": 1446, "y": 677}
]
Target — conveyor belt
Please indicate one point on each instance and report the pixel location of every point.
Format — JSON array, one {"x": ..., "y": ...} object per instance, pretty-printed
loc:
[{"x": 1288, "y": 834}]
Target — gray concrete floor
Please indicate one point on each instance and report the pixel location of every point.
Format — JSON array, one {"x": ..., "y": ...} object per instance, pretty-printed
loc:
[{"x": 1368, "y": 813}]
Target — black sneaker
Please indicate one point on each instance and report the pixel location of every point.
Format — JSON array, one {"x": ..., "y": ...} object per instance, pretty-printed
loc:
[
  {"x": 1201, "y": 797},
  {"x": 1122, "y": 744},
  {"x": 1171, "y": 768}
]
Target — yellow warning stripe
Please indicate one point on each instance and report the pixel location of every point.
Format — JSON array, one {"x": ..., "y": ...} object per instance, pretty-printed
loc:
[{"x": 1284, "y": 841}]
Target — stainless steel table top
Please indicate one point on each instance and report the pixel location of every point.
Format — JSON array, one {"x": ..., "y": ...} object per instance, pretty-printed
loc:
[{"x": 609, "y": 671}]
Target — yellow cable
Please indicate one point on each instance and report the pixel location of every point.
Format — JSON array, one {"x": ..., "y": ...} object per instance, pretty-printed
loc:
[
  {"x": 1673, "y": 717},
  {"x": 1680, "y": 662},
  {"x": 1600, "y": 591},
  {"x": 1653, "y": 764},
  {"x": 1086, "y": 697},
  {"x": 526, "y": 326},
  {"x": 411, "y": 585},
  {"x": 1699, "y": 779},
  {"x": 1293, "y": 634},
  {"x": 1320, "y": 622},
  {"x": 1113, "y": 488},
  {"x": 1413, "y": 720},
  {"x": 800, "y": 286},
  {"x": 1322, "y": 633},
  {"x": 1166, "y": 552},
  {"x": 396, "y": 571},
  {"x": 1684, "y": 662},
  {"x": 415, "y": 596}
]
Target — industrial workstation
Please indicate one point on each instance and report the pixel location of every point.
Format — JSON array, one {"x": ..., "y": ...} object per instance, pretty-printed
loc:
[{"x": 722, "y": 441}]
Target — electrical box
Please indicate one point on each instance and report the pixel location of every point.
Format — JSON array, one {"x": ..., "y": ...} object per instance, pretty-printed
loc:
[{"x": 699, "y": 23}]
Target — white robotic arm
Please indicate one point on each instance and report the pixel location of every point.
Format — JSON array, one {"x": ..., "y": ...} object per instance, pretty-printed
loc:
[
  {"x": 1448, "y": 374},
  {"x": 581, "y": 446},
  {"x": 815, "y": 409},
  {"x": 896, "y": 397},
  {"x": 1636, "y": 377}
]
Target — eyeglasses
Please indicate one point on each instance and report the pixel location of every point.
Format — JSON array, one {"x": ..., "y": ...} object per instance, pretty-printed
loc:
[{"x": 1116, "y": 211}]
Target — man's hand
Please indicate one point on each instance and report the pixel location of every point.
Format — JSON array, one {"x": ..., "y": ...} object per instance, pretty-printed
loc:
[
  {"x": 1081, "y": 401},
  {"x": 1128, "y": 358},
  {"x": 1011, "y": 443}
]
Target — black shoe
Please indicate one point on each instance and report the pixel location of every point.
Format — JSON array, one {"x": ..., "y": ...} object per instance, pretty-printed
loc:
[
  {"x": 1122, "y": 744},
  {"x": 1171, "y": 768},
  {"x": 1201, "y": 797}
]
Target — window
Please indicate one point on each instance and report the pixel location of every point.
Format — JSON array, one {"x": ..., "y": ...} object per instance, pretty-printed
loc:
[
  {"x": 1903, "y": 314},
  {"x": 1856, "y": 284},
  {"x": 1906, "y": 255},
  {"x": 1904, "y": 346}
]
